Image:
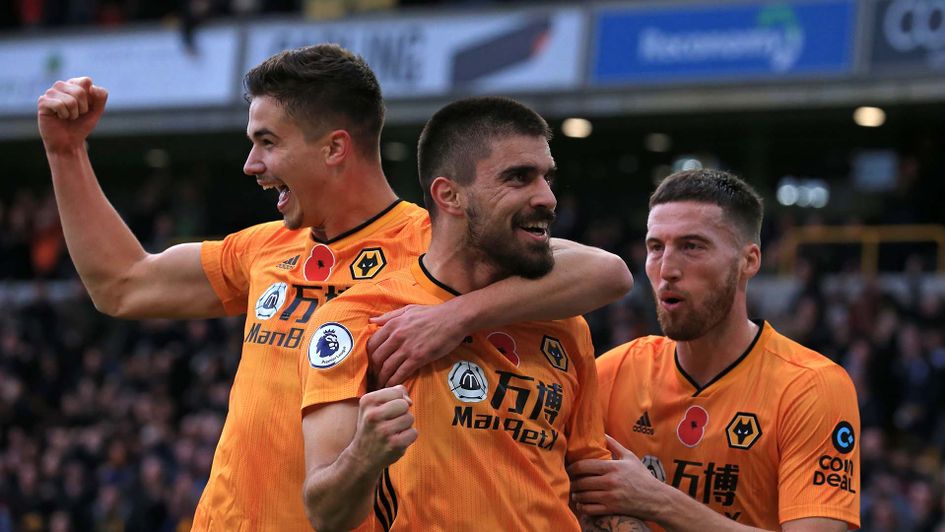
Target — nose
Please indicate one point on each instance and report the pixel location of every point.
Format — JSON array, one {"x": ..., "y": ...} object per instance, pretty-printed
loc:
[
  {"x": 543, "y": 196},
  {"x": 253, "y": 164},
  {"x": 670, "y": 269}
]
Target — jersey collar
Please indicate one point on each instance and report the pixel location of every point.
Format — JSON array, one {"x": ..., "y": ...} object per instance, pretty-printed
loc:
[
  {"x": 370, "y": 225},
  {"x": 763, "y": 329},
  {"x": 429, "y": 283}
]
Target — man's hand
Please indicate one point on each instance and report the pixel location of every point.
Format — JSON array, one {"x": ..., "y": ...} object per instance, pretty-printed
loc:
[
  {"x": 68, "y": 112},
  {"x": 619, "y": 486},
  {"x": 385, "y": 427},
  {"x": 412, "y": 337}
]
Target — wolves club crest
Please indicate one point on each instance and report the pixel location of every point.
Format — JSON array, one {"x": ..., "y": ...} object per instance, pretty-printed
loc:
[
  {"x": 368, "y": 263},
  {"x": 743, "y": 430},
  {"x": 555, "y": 353}
]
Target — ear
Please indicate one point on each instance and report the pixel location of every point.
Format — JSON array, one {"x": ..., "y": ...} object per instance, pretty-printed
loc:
[
  {"x": 338, "y": 147},
  {"x": 447, "y": 196},
  {"x": 751, "y": 260}
]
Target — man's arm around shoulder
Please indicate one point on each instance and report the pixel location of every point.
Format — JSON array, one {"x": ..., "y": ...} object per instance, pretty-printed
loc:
[{"x": 584, "y": 278}]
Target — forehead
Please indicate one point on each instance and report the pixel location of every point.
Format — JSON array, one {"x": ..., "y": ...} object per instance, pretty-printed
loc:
[
  {"x": 686, "y": 218},
  {"x": 516, "y": 151},
  {"x": 265, "y": 112}
]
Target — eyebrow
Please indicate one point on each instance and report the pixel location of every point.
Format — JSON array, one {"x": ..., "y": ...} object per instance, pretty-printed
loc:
[
  {"x": 700, "y": 238},
  {"x": 691, "y": 236},
  {"x": 259, "y": 133},
  {"x": 528, "y": 169}
]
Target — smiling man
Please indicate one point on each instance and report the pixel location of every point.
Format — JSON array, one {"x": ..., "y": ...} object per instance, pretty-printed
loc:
[
  {"x": 315, "y": 119},
  {"x": 479, "y": 439},
  {"x": 741, "y": 428}
]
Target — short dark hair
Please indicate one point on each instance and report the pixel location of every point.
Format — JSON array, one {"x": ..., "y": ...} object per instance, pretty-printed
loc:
[
  {"x": 738, "y": 200},
  {"x": 461, "y": 134},
  {"x": 323, "y": 87}
]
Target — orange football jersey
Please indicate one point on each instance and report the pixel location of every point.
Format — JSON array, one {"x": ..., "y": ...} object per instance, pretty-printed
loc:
[
  {"x": 770, "y": 439},
  {"x": 498, "y": 418},
  {"x": 279, "y": 277}
]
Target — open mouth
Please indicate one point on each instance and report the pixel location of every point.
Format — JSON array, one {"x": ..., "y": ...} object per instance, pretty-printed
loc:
[
  {"x": 538, "y": 229},
  {"x": 670, "y": 302},
  {"x": 282, "y": 188}
]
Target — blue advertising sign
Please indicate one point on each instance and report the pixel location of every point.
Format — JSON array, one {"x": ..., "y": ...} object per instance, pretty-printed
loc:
[{"x": 640, "y": 44}]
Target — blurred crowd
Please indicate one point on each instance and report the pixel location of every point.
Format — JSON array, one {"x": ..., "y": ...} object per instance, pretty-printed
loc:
[
  {"x": 111, "y": 425},
  {"x": 36, "y": 14}
]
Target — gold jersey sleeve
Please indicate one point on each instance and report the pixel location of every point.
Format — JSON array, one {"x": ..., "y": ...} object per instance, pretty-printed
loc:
[
  {"x": 335, "y": 365},
  {"x": 228, "y": 263},
  {"x": 819, "y": 470},
  {"x": 586, "y": 425}
]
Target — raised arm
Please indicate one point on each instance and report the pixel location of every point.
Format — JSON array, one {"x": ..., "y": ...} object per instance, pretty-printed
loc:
[
  {"x": 347, "y": 448},
  {"x": 583, "y": 279},
  {"x": 121, "y": 277}
]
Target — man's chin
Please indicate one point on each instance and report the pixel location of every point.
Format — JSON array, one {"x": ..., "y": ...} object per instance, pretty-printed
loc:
[
  {"x": 536, "y": 266},
  {"x": 291, "y": 223},
  {"x": 674, "y": 330}
]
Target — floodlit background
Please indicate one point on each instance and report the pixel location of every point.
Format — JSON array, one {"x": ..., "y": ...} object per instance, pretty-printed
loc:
[{"x": 832, "y": 109}]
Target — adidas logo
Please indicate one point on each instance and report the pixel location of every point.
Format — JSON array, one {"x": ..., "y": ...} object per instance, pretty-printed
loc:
[
  {"x": 288, "y": 264},
  {"x": 643, "y": 424}
]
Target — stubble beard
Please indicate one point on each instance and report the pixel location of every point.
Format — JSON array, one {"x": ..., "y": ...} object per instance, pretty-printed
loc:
[
  {"x": 502, "y": 250},
  {"x": 291, "y": 223},
  {"x": 702, "y": 318}
]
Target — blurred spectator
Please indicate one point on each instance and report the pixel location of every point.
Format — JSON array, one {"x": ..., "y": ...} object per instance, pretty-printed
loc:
[{"x": 117, "y": 434}]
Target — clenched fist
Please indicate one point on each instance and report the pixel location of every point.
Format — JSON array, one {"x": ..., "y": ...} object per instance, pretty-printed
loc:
[
  {"x": 385, "y": 426},
  {"x": 68, "y": 111}
]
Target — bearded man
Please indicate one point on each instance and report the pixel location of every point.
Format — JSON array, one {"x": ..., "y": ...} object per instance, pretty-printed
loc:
[
  {"x": 481, "y": 438},
  {"x": 738, "y": 427}
]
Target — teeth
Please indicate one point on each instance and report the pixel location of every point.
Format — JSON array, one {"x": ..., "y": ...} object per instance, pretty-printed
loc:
[{"x": 542, "y": 226}]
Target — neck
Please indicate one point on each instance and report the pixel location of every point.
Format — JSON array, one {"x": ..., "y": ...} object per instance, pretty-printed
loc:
[
  {"x": 707, "y": 356},
  {"x": 361, "y": 191},
  {"x": 452, "y": 263}
]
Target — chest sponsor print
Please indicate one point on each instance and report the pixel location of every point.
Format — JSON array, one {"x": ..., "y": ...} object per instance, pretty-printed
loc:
[
  {"x": 718, "y": 482},
  {"x": 520, "y": 405}
]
